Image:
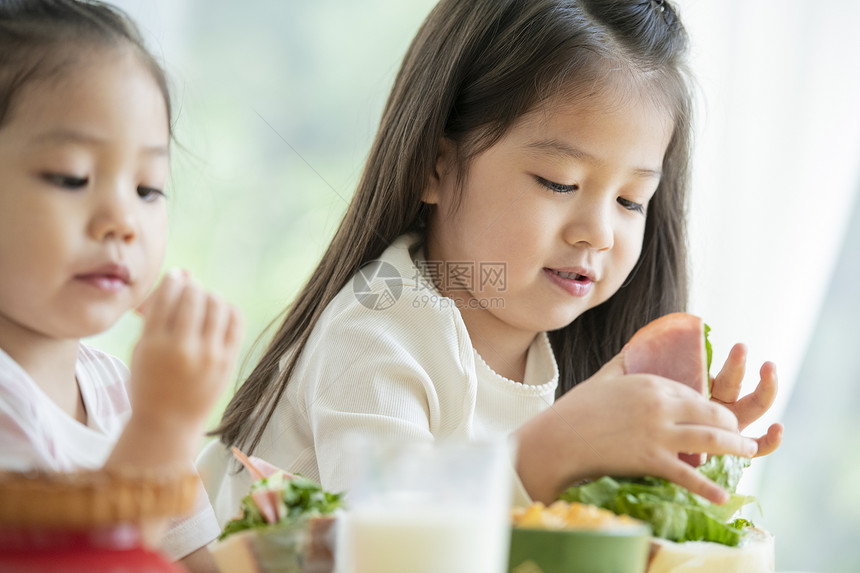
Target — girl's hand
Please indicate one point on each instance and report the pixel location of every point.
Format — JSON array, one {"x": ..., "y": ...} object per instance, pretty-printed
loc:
[
  {"x": 185, "y": 355},
  {"x": 726, "y": 388},
  {"x": 626, "y": 425}
]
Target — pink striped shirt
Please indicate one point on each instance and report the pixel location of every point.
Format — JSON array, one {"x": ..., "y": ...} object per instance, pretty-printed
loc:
[{"x": 35, "y": 433}]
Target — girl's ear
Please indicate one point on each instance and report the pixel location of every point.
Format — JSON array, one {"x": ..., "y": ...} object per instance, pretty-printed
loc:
[{"x": 442, "y": 171}]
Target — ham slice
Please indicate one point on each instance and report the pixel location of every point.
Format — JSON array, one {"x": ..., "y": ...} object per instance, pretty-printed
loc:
[
  {"x": 269, "y": 503},
  {"x": 267, "y": 500},
  {"x": 672, "y": 346},
  {"x": 257, "y": 467}
]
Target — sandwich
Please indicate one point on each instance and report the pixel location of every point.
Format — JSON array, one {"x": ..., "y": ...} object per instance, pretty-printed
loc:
[
  {"x": 690, "y": 534},
  {"x": 285, "y": 525}
]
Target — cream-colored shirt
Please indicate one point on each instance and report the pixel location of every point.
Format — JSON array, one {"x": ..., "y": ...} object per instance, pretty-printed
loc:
[{"x": 389, "y": 357}]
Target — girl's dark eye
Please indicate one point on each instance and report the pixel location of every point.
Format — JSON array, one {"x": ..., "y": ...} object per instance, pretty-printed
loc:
[
  {"x": 65, "y": 181},
  {"x": 630, "y": 205},
  {"x": 557, "y": 187},
  {"x": 149, "y": 193}
]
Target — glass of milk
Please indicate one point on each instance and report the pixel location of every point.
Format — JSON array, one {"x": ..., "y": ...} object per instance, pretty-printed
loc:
[{"x": 428, "y": 508}]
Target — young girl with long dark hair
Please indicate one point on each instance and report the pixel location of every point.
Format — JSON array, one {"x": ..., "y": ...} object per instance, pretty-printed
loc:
[{"x": 520, "y": 215}]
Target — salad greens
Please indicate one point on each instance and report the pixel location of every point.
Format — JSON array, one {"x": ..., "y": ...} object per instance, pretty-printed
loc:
[
  {"x": 674, "y": 512},
  {"x": 298, "y": 497},
  {"x": 709, "y": 352}
]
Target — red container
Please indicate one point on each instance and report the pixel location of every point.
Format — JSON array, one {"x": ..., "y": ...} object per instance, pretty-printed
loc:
[{"x": 112, "y": 549}]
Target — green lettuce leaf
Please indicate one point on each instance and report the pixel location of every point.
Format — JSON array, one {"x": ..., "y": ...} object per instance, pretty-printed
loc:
[
  {"x": 709, "y": 352},
  {"x": 673, "y": 512},
  {"x": 300, "y": 497}
]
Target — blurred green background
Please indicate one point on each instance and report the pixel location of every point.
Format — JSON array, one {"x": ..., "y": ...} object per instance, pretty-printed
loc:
[{"x": 271, "y": 132}]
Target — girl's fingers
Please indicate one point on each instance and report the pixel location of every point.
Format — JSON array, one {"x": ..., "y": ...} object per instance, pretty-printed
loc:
[
  {"x": 158, "y": 307},
  {"x": 215, "y": 320},
  {"x": 698, "y": 411},
  {"x": 714, "y": 441},
  {"x": 235, "y": 328},
  {"x": 753, "y": 406},
  {"x": 614, "y": 367},
  {"x": 222, "y": 325},
  {"x": 672, "y": 388},
  {"x": 727, "y": 384},
  {"x": 686, "y": 476},
  {"x": 770, "y": 441},
  {"x": 143, "y": 308},
  {"x": 190, "y": 310}
]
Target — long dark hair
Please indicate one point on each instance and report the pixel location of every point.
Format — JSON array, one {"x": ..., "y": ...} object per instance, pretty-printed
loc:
[
  {"x": 41, "y": 39},
  {"x": 473, "y": 69}
]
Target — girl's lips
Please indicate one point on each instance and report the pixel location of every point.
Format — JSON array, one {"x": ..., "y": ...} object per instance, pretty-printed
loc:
[
  {"x": 104, "y": 282},
  {"x": 109, "y": 277},
  {"x": 573, "y": 283}
]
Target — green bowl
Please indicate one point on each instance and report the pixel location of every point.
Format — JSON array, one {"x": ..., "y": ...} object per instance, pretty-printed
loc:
[{"x": 617, "y": 550}]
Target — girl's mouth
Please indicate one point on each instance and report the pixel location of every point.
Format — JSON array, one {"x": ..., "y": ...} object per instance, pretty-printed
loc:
[
  {"x": 571, "y": 276},
  {"x": 109, "y": 283},
  {"x": 110, "y": 277},
  {"x": 573, "y": 283}
]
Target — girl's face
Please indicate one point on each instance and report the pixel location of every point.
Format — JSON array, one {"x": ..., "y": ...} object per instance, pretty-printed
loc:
[
  {"x": 552, "y": 216},
  {"x": 83, "y": 223}
]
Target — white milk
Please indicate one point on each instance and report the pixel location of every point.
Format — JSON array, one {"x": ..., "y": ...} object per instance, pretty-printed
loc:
[
  {"x": 424, "y": 540},
  {"x": 418, "y": 507}
]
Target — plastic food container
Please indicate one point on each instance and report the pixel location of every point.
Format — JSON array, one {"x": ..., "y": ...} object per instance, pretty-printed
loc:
[
  {"x": 116, "y": 549},
  {"x": 577, "y": 538},
  {"x": 306, "y": 546},
  {"x": 579, "y": 551}
]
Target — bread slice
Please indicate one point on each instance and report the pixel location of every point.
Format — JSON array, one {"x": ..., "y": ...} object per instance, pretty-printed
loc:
[{"x": 754, "y": 555}]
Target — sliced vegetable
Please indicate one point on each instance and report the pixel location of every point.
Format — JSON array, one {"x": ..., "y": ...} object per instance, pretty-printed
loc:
[
  {"x": 279, "y": 498},
  {"x": 674, "y": 512}
]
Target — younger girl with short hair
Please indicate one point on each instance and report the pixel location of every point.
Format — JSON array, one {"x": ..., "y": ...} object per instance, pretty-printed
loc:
[
  {"x": 520, "y": 216},
  {"x": 84, "y": 146}
]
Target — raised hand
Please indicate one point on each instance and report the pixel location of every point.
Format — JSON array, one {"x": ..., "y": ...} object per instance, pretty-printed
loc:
[
  {"x": 726, "y": 389},
  {"x": 626, "y": 425},
  {"x": 179, "y": 368},
  {"x": 185, "y": 354}
]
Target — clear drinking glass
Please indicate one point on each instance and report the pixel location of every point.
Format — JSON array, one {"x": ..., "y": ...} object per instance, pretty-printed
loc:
[{"x": 428, "y": 508}]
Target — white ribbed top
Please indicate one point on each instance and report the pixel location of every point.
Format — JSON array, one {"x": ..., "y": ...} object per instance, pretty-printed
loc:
[{"x": 406, "y": 370}]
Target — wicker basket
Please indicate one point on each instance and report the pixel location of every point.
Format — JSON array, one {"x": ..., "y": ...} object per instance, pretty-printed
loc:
[{"x": 84, "y": 500}]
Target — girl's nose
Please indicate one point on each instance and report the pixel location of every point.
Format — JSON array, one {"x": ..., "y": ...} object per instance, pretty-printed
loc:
[
  {"x": 590, "y": 225},
  {"x": 113, "y": 216}
]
